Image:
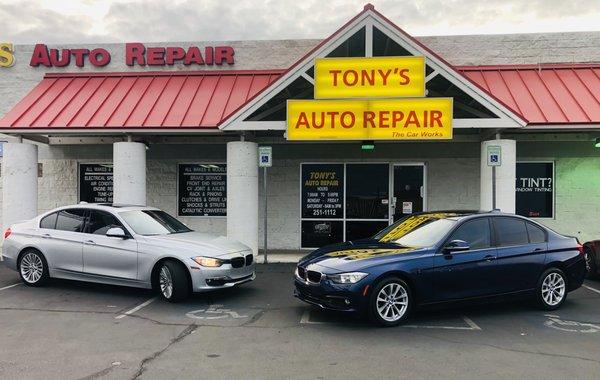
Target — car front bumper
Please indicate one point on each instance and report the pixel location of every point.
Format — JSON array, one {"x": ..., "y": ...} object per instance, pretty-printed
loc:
[
  {"x": 326, "y": 295},
  {"x": 207, "y": 279}
]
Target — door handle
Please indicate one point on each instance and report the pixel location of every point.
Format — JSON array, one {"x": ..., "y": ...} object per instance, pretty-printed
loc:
[
  {"x": 46, "y": 236},
  {"x": 489, "y": 258},
  {"x": 89, "y": 242},
  {"x": 537, "y": 250}
]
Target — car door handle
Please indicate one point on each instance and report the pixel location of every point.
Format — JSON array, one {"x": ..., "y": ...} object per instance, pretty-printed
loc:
[
  {"x": 46, "y": 236},
  {"x": 89, "y": 242},
  {"x": 537, "y": 250},
  {"x": 489, "y": 258}
]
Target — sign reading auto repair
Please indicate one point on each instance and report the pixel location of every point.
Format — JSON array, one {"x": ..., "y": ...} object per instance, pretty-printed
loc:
[{"x": 345, "y": 107}]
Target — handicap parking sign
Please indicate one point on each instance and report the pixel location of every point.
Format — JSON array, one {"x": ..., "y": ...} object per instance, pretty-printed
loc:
[
  {"x": 494, "y": 155},
  {"x": 265, "y": 156}
]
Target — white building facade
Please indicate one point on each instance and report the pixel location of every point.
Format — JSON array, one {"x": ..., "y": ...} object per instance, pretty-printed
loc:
[{"x": 184, "y": 138}]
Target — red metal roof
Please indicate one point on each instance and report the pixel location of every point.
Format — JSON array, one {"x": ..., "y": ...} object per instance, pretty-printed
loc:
[
  {"x": 192, "y": 99},
  {"x": 544, "y": 94},
  {"x": 541, "y": 94}
]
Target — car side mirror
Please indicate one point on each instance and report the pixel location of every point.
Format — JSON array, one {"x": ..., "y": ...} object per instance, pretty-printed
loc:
[
  {"x": 116, "y": 232},
  {"x": 456, "y": 246}
]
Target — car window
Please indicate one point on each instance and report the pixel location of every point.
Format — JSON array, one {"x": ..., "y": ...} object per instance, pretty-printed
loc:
[
  {"x": 510, "y": 231},
  {"x": 100, "y": 222},
  {"x": 153, "y": 222},
  {"x": 49, "y": 221},
  {"x": 70, "y": 220},
  {"x": 536, "y": 233},
  {"x": 475, "y": 232}
]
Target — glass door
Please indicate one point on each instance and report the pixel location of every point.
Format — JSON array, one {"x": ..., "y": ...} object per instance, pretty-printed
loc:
[
  {"x": 367, "y": 199},
  {"x": 408, "y": 190}
]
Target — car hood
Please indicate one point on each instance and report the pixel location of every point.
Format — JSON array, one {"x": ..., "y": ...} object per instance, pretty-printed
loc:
[
  {"x": 352, "y": 256},
  {"x": 199, "y": 242}
]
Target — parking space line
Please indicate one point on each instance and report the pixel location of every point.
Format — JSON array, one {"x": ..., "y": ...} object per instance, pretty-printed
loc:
[
  {"x": 471, "y": 325},
  {"x": 11, "y": 286},
  {"x": 137, "y": 308},
  {"x": 585, "y": 286}
]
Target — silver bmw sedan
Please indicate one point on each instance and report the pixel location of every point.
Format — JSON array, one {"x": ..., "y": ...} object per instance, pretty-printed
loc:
[{"x": 125, "y": 245}]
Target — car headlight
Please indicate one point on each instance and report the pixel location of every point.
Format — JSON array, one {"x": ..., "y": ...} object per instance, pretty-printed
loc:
[
  {"x": 208, "y": 261},
  {"x": 347, "y": 278}
]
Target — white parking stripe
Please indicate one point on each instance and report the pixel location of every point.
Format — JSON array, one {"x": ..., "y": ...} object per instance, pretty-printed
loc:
[
  {"x": 11, "y": 286},
  {"x": 585, "y": 286},
  {"x": 137, "y": 308},
  {"x": 471, "y": 325}
]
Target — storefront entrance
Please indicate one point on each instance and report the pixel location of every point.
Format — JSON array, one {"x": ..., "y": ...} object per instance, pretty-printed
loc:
[{"x": 350, "y": 201}]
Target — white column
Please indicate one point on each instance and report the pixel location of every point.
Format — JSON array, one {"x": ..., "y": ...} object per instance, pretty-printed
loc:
[
  {"x": 505, "y": 176},
  {"x": 242, "y": 193},
  {"x": 129, "y": 173},
  {"x": 19, "y": 183}
]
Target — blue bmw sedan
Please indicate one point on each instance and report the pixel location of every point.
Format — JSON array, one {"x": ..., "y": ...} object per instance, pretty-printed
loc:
[{"x": 438, "y": 257}]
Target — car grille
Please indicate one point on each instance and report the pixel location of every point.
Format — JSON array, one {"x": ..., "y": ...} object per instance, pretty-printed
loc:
[
  {"x": 313, "y": 276},
  {"x": 302, "y": 273},
  {"x": 237, "y": 262},
  {"x": 249, "y": 259},
  {"x": 309, "y": 275}
]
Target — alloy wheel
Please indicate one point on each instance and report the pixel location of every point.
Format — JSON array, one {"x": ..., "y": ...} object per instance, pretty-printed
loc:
[
  {"x": 392, "y": 302},
  {"x": 553, "y": 289},
  {"x": 32, "y": 268},
  {"x": 166, "y": 282}
]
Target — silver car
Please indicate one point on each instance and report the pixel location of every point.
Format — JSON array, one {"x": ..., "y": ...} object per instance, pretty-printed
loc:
[{"x": 125, "y": 245}]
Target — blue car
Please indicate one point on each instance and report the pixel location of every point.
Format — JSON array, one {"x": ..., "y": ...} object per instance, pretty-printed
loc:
[{"x": 439, "y": 257}]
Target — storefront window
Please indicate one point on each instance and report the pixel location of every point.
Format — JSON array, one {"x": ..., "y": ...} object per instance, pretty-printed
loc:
[
  {"x": 535, "y": 189},
  {"x": 96, "y": 183},
  {"x": 202, "y": 189}
]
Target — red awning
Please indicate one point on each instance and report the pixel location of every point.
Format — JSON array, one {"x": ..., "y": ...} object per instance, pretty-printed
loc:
[
  {"x": 544, "y": 94},
  {"x": 136, "y": 100}
]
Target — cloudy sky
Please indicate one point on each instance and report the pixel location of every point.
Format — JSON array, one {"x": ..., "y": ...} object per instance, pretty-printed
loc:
[{"x": 76, "y": 21}]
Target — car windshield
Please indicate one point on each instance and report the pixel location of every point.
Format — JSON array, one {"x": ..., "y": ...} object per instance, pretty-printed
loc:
[
  {"x": 153, "y": 222},
  {"x": 418, "y": 230}
]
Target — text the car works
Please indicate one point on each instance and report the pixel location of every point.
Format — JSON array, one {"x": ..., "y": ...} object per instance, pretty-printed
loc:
[
  {"x": 369, "y": 77},
  {"x": 397, "y": 119},
  {"x": 136, "y": 54}
]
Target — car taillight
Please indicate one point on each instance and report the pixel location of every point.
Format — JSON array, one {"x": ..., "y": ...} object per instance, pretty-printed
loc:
[
  {"x": 7, "y": 232},
  {"x": 580, "y": 249}
]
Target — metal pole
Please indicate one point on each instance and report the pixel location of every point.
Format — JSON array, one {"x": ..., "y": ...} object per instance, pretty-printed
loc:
[
  {"x": 265, "y": 226},
  {"x": 493, "y": 187}
]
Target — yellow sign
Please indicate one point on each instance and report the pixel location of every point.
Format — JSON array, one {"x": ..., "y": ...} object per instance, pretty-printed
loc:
[
  {"x": 369, "y": 77},
  {"x": 382, "y": 119},
  {"x": 7, "y": 55}
]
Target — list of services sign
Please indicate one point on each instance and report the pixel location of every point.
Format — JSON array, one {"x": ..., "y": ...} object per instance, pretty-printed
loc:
[{"x": 380, "y": 98}]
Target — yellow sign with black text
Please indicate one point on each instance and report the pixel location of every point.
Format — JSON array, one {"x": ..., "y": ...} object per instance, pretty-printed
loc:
[
  {"x": 387, "y": 77},
  {"x": 378, "y": 119}
]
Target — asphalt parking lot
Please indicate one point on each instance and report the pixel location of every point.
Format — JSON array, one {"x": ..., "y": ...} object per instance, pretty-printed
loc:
[{"x": 76, "y": 330}]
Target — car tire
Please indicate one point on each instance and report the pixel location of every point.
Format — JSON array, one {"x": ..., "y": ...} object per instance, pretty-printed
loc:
[
  {"x": 390, "y": 302},
  {"x": 33, "y": 268},
  {"x": 173, "y": 284},
  {"x": 590, "y": 263},
  {"x": 552, "y": 289}
]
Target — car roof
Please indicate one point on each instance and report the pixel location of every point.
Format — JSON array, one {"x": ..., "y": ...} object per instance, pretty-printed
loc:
[
  {"x": 464, "y": 214},
  {"x": 105, "y": 206}
]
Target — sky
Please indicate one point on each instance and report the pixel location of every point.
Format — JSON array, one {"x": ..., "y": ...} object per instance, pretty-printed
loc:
[{"x": 79, "y": 21}]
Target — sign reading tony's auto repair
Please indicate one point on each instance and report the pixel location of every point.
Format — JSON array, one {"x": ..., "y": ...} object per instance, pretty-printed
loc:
[
  {"x": 322, "y": 191},
  {"x": 535, "y": 189},
  {"x": 202, "y": 190},
  {"x": 380, "y": 98},
  {"x": 96, "y": 183}
]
